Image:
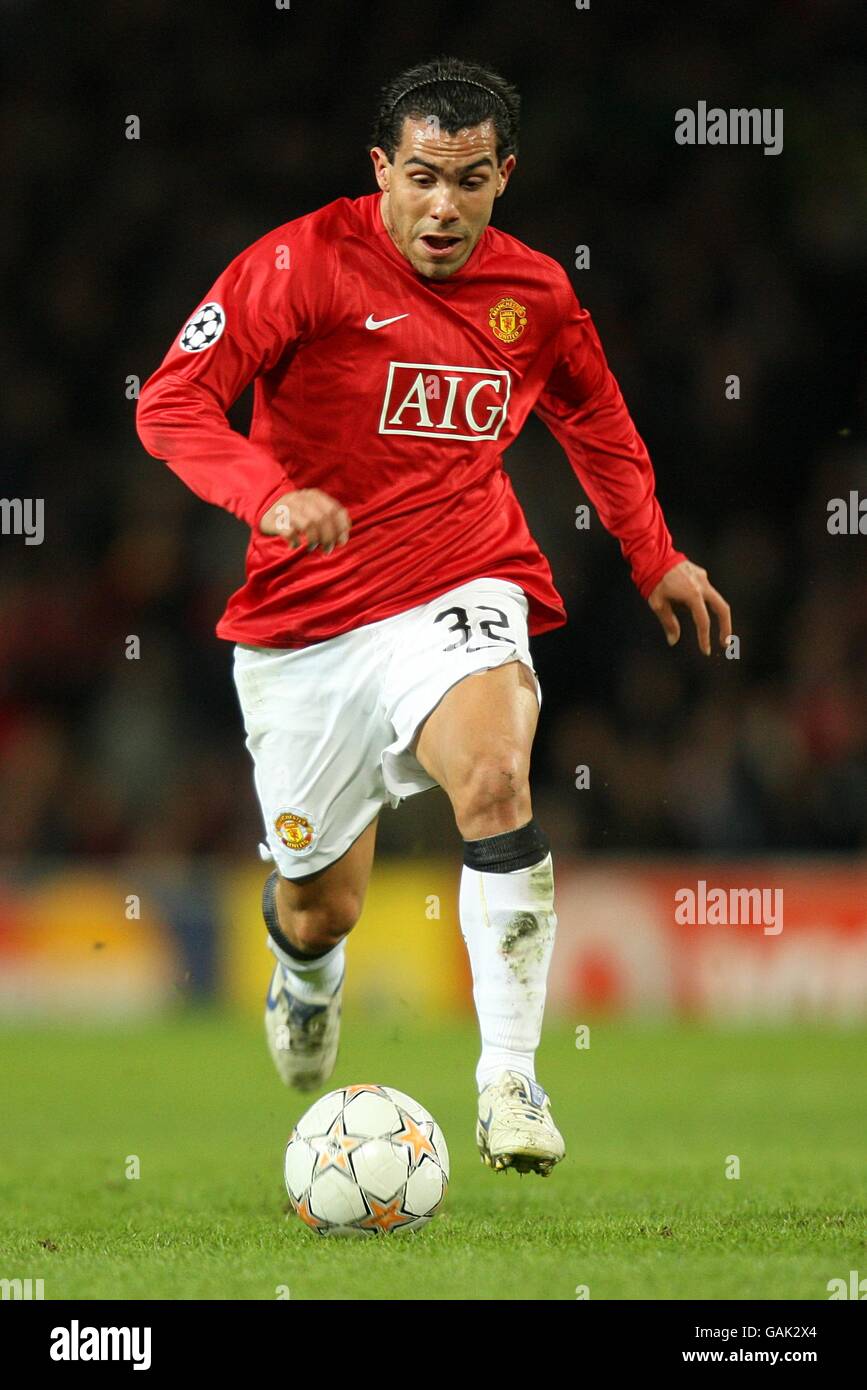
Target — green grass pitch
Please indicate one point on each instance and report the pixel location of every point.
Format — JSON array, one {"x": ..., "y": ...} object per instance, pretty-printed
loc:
[{"x": 640, "y": 1207}]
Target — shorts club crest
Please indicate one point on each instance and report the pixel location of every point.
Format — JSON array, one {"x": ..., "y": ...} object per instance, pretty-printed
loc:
[{"x": 294, "y": 831}]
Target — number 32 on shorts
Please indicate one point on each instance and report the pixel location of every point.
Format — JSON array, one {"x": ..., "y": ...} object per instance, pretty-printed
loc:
[{"x": 475, "y": 628}]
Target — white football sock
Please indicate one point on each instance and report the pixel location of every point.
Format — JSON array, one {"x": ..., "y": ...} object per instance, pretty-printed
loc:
[
  {"x": 308, "y": 978},
  {"x": 508, "y": 923}
]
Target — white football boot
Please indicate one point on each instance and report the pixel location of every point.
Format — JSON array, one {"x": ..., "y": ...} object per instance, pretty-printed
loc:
[
  {"x": 303, "y": 1034},
  {"x": 515, "y": 1128}
]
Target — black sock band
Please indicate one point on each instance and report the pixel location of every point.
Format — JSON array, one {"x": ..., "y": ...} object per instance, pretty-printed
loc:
[
  {"x": 514, "y": 849},
  {"x": 272, "y": 922}
]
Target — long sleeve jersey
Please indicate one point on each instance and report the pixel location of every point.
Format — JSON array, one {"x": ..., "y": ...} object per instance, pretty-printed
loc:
[{"x": 397, "y": 395}]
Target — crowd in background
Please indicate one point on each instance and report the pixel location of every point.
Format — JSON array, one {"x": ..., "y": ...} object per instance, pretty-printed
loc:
[{"x": 704, "y": 263}]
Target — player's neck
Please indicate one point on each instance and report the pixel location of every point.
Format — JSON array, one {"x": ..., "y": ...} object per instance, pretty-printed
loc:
[{"x": 385, "y": 215}]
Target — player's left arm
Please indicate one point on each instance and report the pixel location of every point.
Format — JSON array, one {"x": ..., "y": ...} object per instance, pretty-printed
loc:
[{"x": 583, "y": 407}]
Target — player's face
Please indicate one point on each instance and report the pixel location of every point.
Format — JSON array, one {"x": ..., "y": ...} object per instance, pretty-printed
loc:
[{"x": 439, "y": 193}]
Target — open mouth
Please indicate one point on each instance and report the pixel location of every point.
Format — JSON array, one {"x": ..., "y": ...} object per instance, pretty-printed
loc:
[{"x": 438, "y": 243}]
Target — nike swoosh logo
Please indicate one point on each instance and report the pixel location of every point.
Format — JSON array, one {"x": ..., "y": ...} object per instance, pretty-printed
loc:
[{"x": 373, "y": 323}]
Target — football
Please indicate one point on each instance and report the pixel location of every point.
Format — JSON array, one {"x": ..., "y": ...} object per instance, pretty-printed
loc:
[{"x": 365, "y": 1161}]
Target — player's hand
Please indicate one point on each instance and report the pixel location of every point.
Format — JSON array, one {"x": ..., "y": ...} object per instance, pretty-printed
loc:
[
  {"x": 311, "y": 513},
  {"x": 688, "y": 584}
]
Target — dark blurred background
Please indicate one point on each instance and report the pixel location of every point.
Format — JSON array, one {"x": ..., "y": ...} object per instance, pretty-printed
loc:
[{"x": 704, "y": 262}]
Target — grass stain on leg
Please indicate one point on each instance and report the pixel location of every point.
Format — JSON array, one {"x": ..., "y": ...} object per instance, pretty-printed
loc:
[{"x": 524, "y": 943}]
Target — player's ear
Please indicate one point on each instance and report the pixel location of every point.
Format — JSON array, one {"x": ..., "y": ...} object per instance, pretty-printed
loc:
[
  {"x": 504, "y": 173},
  {"x": 381, "y": 167}
]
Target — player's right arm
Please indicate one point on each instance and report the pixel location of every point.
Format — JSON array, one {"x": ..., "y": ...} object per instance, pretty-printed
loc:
[{"x": 253, "y": 316}]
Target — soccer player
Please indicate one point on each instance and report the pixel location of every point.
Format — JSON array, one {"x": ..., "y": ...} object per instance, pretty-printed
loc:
[{"x": 397, "y": 343}]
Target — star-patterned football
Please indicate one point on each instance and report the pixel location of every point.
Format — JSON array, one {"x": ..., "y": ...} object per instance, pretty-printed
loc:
[{"x": 366, "y": 1160}]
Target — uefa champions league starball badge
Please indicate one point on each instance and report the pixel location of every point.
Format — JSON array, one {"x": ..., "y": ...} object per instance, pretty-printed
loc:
[{"x": 203, "y": 329}]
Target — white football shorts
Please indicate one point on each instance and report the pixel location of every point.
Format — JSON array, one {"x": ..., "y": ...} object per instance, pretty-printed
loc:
[{"x": 330, "y": 726}]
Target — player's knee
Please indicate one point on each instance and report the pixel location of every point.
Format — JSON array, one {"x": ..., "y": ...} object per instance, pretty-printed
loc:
[
  {"x": 320, "y": 926},
  {"x": 494, "y": 791}
]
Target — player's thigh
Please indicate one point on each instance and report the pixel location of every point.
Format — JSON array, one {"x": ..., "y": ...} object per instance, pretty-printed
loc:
[
  {"x": 484, "y": 724},
  {"x": 335, "y": 893},
  {"x": 315, "y": 732}
]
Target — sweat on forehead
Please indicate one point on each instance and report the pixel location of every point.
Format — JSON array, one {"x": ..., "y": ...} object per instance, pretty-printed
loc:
[{"x": 429, "y": 128}]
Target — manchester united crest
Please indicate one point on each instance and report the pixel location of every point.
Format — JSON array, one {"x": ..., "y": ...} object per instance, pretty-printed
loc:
[
  {"x": 507, "y": 319},
  {"x": 294, "y": 831}
]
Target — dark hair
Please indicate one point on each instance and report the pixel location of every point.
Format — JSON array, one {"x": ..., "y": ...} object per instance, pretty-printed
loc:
[{"x": 458, "y": 94}]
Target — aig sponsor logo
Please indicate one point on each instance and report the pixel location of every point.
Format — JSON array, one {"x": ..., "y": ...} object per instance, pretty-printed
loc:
[{"x": 438, "y": 402}]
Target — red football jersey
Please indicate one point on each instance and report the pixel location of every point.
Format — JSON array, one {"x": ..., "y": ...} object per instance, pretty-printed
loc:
[{"x": 396, "y": 395}]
